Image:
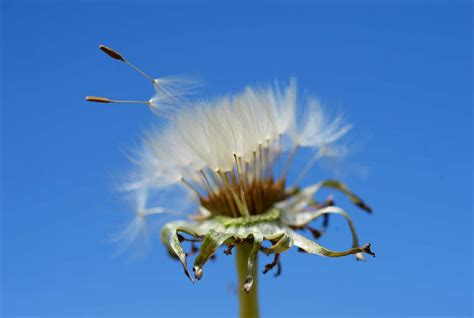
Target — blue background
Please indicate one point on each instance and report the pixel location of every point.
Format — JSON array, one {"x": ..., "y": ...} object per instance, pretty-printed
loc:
[{"x": 401, "y": 72}]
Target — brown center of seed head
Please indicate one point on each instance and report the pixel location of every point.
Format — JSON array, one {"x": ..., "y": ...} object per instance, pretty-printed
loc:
[{"x": 259, "y": 196}]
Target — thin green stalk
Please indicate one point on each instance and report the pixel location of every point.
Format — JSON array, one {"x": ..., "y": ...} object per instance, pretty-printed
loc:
[{"x": 248, "y": 302}]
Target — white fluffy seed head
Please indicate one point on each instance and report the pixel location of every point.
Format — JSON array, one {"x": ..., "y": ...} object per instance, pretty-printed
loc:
[
  {"x": 210, "y": 134},
  {"x": 230, "y": 139}
]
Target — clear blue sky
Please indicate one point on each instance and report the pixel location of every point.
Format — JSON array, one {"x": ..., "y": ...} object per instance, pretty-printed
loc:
[{"x": 401, "y": 72}]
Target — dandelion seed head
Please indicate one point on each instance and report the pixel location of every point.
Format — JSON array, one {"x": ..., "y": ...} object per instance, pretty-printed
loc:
[
  {"x": 232, "y": 156},
  {"x": 218, "y": 148}
]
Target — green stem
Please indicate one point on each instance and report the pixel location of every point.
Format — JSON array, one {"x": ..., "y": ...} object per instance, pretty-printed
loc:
[{"x": 248, "y": 302}]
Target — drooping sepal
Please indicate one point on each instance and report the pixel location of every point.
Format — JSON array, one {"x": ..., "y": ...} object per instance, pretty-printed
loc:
[
  {"x": 171, "y": 238},
  {"x": 212, "y": 241},
  {"x": 283, "y": 243},
  {"x": 345, "y": 189},
  {"x": 314, "y": 248},
  {"x": 305, "y": 217}
]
